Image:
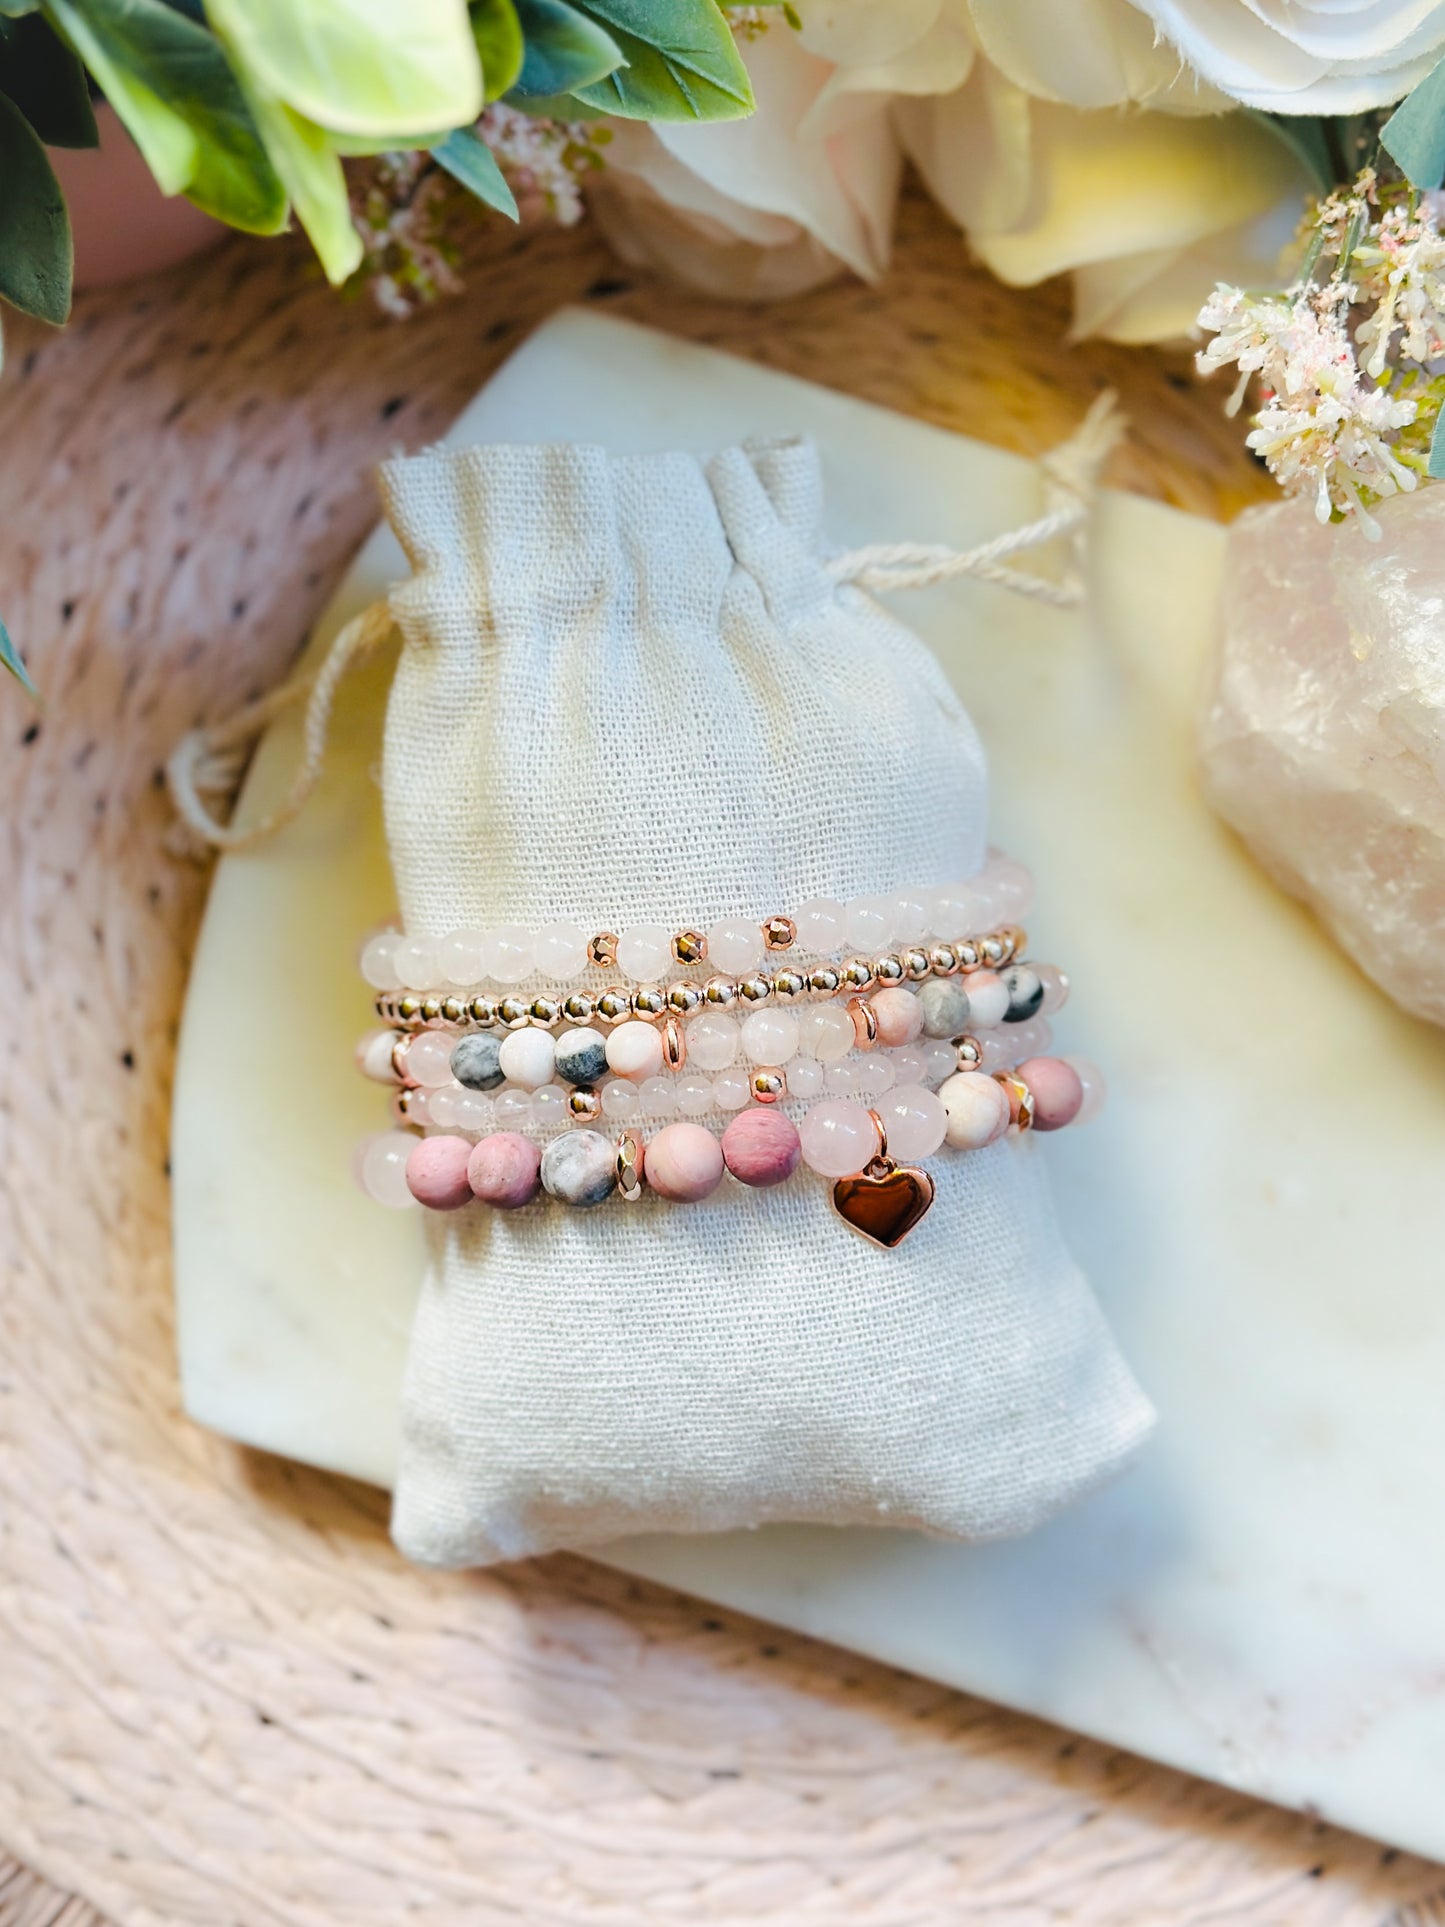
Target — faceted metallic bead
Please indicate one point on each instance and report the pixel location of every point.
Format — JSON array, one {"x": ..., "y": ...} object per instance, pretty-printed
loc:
[
  {"x": 684, "y": 997},
  {"x": 602, "y": 950},
  {"x": 583, "y": 1105},
  {"x": 544, "y": 1012},
  {"x": 648, "y": 1001},
  {"x": 991, "y": 950},
  {"x": 614, "y": 1004},
  {"x": 968, "y": 957},
  {"x": 720, "y": 993},
  {"x": 917, "y": 963},
  {"x": 482, "y": 1011},
  {"x": 768, "y": 1084},
  {"x": 408, "y": 1008},
  {"x": 630, "y": 1166},
  {"x": 453, "y": 1009},
  {"x": 789, "y": 984},
  {"x": 431, "y": 1010},
  {"x": 889, "y": 969},
  {"x": 755, "y": 989},
  {"x": 402, "y": 1102},
  {"x": 857, "y": 973},
  {"x": 1014, "y": 938},
  {"x": 779, "y": 933},
  {"x": 578, "y": 1007},
  {"x": 515, "y": 1012},
  {"x": 1020, "y": 1099},
  {"x": 970, "y": 1052},
  {"x": 943, "y": 960},
  {"x": 825, "y": 980},
  {"x": 689, "y": 947}
]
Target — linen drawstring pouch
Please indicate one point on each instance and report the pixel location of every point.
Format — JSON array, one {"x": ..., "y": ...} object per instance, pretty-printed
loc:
[{"x": 632, "y": 690}]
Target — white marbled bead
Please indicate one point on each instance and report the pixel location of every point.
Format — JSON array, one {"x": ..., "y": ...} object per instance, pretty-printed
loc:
[
  {"x": 579, "y": 1168},
  {"x": 634, "y": 1049},
  {"x": 528, "y": 1057},
  {"x": 945, "y": 1006}
]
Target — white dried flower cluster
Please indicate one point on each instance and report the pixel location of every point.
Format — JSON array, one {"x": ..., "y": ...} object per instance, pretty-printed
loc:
[
  {"x": 1347, "y": 394},
  {"x": 543, "y": 160}
]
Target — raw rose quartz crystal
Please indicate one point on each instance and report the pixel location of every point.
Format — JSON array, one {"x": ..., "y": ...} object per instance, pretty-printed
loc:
[{"x": 1323, "y": 733}]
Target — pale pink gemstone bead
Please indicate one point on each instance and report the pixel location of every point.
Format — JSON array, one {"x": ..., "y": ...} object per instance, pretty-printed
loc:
[
  {"x": 657, "y": 1097},
  {"x": 1056, "y": 988},
  {"x": 987, "y": 999},
  {"x": 940, "y": 1060},
  {"x": 429, "y": 1058},
  {"x": 868, "y": 922},
  {"x": 374, "y": 1056},
  {"x": 507, "y": 953},
  {"x": 1031, "y": 1039},
  {"x": 899, "y": 1015},
  {"x": 436, "y": 1173},
  {"x": 1057, "y": 1090},
  {"x": 826, "y": 1032},
  {"x": 694, "y": 1095},
  {"x": 549, "y": 1106},
  {"x": 844, "y": 1079},
  {"x": 822, "y": 926},
  {"x": 954, "y": 911},
  {"x": 1010, "y": 887},
  {"x": 560, "y": 951},
  {"x": 1094, "y": 1087},
  {"x": 459, "y": 958},
  {"x": 770, "y": 1036},
  {"x": 383, "y": 1169},
  {"x": 416, "y": 963},
  {"x": 683, "y": 1162},
  {"x": 998, "y": 1050},
  {"x": 620, "y": 1101},
  {"x": 838, "y": 1138},
  {"x": 712, "y": 1041},
  {"x": 976, "y": 1109},
  {"x": 503, "y": 1170},
  {"x": 761, "y": 1147},
  {"x": 909, "y": 1065},
  {"x": 914, "y": 1119},
  {"x": 734, "y": 946},
  {"x": 910, "y": 917},
  {"x": 378, "y": 960},
  {"x": 805, "y": 1077},
  {"x": 731, "y": 1090},
  {"x": 874, "y": 1074},
  {"x": 644, "y": 950}
]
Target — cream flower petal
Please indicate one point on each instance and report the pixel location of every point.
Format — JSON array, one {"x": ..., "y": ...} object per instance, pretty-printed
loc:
[
  {"x": 861, "y": 33},
  {"x": 972, "y": 148},
  {"x": 841, "y": 189},
  {"x": 1156, "y": 296},
  {"x": 1090, "y": 53}
]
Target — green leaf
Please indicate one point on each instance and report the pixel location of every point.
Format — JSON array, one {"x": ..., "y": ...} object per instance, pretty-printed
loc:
[
  {"x": 1304, "y": 136},
  {"x": 682, "y": 62},
  {"x": 498, "y": 34},
  {"x": 308, "y": 164},
  {"x": 15, "y": 9},
  {"x": 46, "y": 81},
  {"x": 10, "y": 659},
  {"x": 555, "y": 107},
  {"x": 1415, "y": 133},
  {"x": 35, "y": 250},
  {"x": 562, "y": 49},
  {"x": 358, "y": 66},
  {"x": 469, "y": 160},
  {"x": 172, "y": 85}
]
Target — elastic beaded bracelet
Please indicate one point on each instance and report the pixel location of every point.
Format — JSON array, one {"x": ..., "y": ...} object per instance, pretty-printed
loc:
[
  {"x": 858, "y": 1147},
  {"x": 511, "y": 953}
]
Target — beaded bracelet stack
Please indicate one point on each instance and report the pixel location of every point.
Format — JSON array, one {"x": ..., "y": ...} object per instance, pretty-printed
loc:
[{"x": 850, "y": 1042}]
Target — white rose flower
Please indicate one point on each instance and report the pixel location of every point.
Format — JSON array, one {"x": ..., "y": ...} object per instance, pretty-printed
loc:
[
  {"x": 1306, "y": 56},
  {"x": 1024, "y": 118}
]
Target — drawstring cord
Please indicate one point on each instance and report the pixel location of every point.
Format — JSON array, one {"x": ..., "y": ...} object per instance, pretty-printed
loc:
[{"x": 206, "y": 766}]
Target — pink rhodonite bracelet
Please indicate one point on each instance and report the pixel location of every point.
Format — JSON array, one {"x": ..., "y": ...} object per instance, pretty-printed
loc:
[{"x": 868, "y": 1152}]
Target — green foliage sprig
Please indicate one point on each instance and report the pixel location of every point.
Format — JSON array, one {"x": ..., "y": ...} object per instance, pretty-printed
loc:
[{"x": 248, "y": 108}]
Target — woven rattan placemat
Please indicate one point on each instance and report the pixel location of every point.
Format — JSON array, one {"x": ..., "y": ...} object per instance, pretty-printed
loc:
[{"x": 223, "y": 1699}]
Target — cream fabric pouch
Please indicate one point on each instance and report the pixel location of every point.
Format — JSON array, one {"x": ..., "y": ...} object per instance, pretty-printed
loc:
[{"x": 631, "y": 692}]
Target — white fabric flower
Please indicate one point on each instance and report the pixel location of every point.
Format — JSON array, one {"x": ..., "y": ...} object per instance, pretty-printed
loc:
[
  {"x": 1305, "y": 56},
  {"x": 1147, "y": 209}
]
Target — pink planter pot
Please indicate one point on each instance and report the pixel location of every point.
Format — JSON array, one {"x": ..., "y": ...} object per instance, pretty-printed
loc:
[{"x": 122, "y": 223}]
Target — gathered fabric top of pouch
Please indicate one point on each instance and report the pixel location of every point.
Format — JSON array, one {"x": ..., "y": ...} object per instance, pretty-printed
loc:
[{"x": 635, "y": 677}]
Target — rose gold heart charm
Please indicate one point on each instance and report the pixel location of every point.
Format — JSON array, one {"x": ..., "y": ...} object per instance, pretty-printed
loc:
[{"x": 884, "y": 1201}]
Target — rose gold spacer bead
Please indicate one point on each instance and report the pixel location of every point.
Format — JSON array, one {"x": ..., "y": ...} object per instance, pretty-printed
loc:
[
  {"x": 865, "y": 1022},
  {"x": 602, "y": 950},
  {"x": 689, "y": 947},
  {"x": 630, "y": 1160},
  {"x": 614, "y": 1005},
  {"x": 889, "y": 969},
  {"x": 398, "y": 1062},
  {"x": 515, "y": 1012},
  {"x": 583, "y": 1104},
  {"x": 755, "y": 989},
  {"x": 991, "y": 950},
  {"x": 648, "y": 1002},
  {"x": 856, "y": 973},
  {"x": 768, "y": 1084},
  {"x": 684, "y": 997},
  {"x": 674, "y": 1044},
  {"x": 825, "y": 980},
  {"x": 482, "y": 1011},
  {"x": 720, "y": 993},
  {"x": 943, "y": 960},
  {"x": 968, "y": 957},
  {"x": 917, "y": 963},
  {"x": 779, "y": 933},
  {"x": 1016, "y": 938}
]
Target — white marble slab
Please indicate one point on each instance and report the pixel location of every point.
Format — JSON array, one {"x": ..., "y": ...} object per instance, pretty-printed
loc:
[{"x": 1262, "y": 1600}]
